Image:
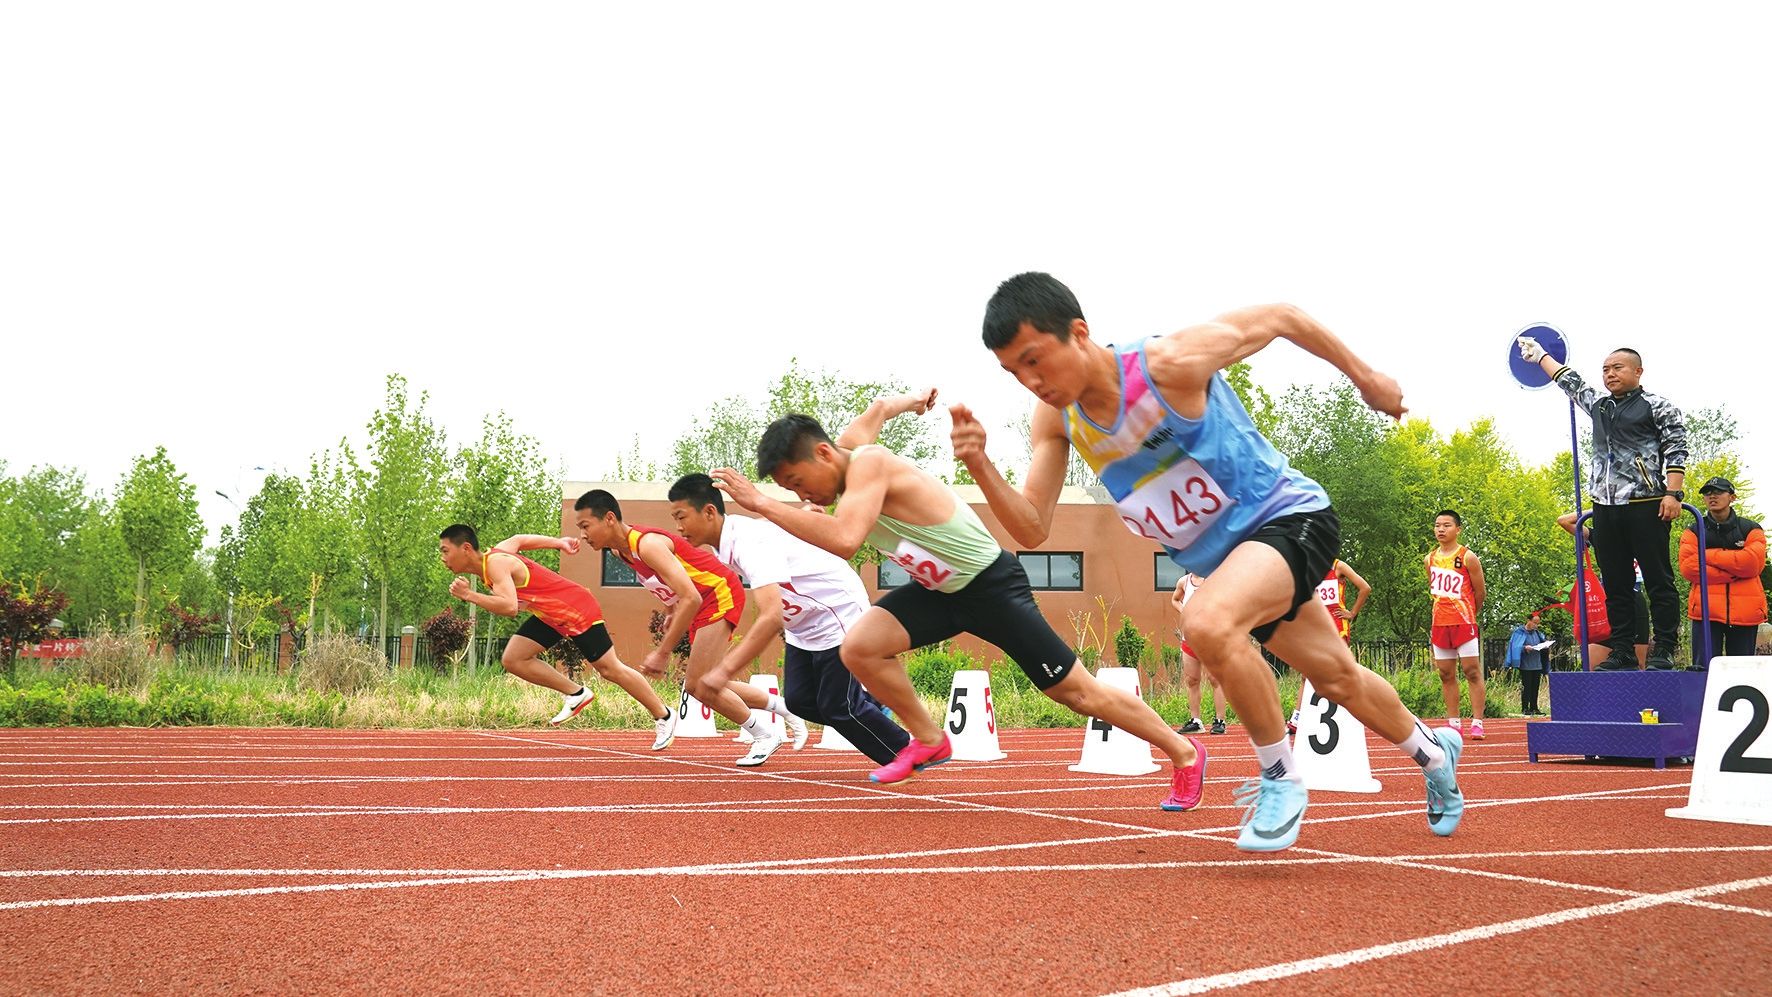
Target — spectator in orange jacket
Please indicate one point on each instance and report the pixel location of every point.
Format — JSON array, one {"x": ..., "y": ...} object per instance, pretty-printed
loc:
[{"x": 1734, "y": 554}]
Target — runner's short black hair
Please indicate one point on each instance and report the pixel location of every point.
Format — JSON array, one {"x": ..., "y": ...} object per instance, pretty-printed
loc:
[
  {"x": 789, "y": 438},
  {"x": 1448, "y": 512},
  {"x": 1638, "y": 357},
  {"x": 699, "y": 491},
  {"x": 1037, "y": 299},
  {"x": 460, "y": 534},
  {"x": 599, "y": 502}
]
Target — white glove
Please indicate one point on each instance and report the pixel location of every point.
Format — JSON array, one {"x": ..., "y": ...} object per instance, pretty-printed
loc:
[{"x": 1530, "y": 351}]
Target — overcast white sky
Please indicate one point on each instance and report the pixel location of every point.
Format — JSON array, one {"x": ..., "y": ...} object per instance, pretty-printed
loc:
[{"x": 222, "y": 224}]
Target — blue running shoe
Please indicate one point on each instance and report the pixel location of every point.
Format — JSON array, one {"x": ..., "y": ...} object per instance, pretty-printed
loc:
[
  {"x": 1445, "y": 804},
  {"x": 1274, "y": 809}
]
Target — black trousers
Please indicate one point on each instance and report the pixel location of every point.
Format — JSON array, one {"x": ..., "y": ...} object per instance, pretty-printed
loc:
[
  {"x": 818, "y": 688},
  {"x": 1634, "y": 532},
  {"x": 1529, "y": 690},
  {"x": 1724, "y": 639}
]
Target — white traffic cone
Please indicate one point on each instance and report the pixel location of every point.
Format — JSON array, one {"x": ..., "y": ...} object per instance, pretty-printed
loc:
[
  {"x": 1330, "y": 747},
  {"x": 1109, "y": 750},
  {"x": 971, "y": 723},
  {"x": 694, "y": 718}
]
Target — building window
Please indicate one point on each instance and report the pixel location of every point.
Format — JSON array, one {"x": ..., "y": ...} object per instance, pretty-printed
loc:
[
  {"x": 892, "y": 576},
  {"x": 1169, "y": 573},
  {"x": 617, "y": 574},
  {"x": 1053, "y": 572}
]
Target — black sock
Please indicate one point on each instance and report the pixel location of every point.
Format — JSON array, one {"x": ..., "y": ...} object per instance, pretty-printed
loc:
[{"x": 580, "y": 692}]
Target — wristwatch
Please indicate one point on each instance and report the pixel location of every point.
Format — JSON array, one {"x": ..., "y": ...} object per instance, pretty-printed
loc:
[{"x": 1679, "y": 495}]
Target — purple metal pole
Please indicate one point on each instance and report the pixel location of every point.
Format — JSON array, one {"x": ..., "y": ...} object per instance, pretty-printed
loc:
[
  {"x": 1580, "y": 589},
  {"x": 1703, "y": 588}
]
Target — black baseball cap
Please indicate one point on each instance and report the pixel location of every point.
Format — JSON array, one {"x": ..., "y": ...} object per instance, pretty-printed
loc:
[{"x": 1717, "y": 485}]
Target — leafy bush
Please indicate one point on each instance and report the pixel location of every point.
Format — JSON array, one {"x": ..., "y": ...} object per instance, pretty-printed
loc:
[
  {"x": 25, "y": 617},
  {"x": 116, "y": 659},
  {"x": 658, "y": 624},
  {"x": 931, "y": 669},
  {"x": 1129, "y": 644},
  {"x": 179, "y": 626},
  {"x": 336, "y": 663},
  {"x": 448, "y": 635}
]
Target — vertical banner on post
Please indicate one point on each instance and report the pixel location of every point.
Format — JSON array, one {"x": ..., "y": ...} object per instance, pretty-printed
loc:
[
  {"x": 971, "y": 722},
  {"x": 694, "y": 718},
  {"x": 1110, "y": 750},
  {"x": 1732, "y": 772},
  {"x": 771, "y": 719},
  {"x": 1330, "y": 748}
]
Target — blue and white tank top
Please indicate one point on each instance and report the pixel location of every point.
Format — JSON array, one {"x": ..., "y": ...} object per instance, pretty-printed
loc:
[{"x": 1198, "y": 486}]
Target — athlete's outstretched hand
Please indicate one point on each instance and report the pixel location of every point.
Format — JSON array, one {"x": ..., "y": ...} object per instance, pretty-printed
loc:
[
  {"x": 738, "y": 488},
  {"x": 460, "y": 587},
  {"x": 1530, "y": 350},
  {"x": 968, "y": 435},
  {"x": 569, "y": 545},
  {"x": 923, "y": 401},
  {"x": 1382, "y": 394},
  {"x": 655, "y": 663}
]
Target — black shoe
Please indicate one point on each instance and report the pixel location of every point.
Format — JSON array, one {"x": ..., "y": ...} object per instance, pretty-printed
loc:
[
  {"x": 1616, "y": 662},
  {"x": 1660, "y": 661},
  {"x": 1218, "y": 726},
  {"x": 1191, "y": 727}
]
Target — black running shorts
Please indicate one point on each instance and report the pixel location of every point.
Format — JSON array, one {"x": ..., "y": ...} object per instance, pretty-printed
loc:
[
  {"x": 997, "y": 606},
  {"x": 593, "y": 643},
  {"x": 1309, "y": 541}
]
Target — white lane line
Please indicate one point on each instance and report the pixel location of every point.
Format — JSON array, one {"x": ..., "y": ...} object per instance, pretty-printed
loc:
[
  {"x": 532, "y": 876},
  {"x": 1425, "y": 943}
]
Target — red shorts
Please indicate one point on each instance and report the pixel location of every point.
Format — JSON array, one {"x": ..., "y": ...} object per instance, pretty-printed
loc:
[
  {"x": 710, "y": 614},
  {"x": 1188, "y": 650},
  {"x": 1454, "y": 636}
]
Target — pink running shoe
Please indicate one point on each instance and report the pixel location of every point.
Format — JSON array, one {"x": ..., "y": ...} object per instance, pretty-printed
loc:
[
  {"x": 1455, "y": 723},
  {"x": 1187, "y": 785},
  {"x": 915, "y": 757},
  {"x": 1477, "y": 728}
]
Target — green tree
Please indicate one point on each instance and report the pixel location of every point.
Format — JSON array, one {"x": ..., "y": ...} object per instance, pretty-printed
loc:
[
  {"x": 325, "y": 539},
  {"x": 97, "y": 573},
  {"x": 39, "y": 512},
  {"x": 157, "y": 515},
  {"x": 400, "y": 496}
]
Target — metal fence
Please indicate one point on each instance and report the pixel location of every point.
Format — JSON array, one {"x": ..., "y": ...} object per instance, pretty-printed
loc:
[{"x": 219, "y": 651}]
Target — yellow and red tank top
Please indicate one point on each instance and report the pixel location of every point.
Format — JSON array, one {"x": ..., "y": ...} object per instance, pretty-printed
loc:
[
  {"x": 1449, "y": 582},
  {"x": 719, "y": 585},
  {"x": 561, "y": 603},
  {"x": 1333, "y": 595}
]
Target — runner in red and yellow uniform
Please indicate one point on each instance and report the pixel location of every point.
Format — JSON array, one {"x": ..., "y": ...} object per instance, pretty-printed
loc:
[
  {"x": 561, "y": 610},
  {"x": 706, "y": 601},
  {"x": 1332, "y": 593},
  {"x": 1455, "y": 581}
]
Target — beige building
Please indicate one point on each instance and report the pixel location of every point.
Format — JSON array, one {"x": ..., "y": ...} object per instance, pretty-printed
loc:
[{"x": 1090, "y": 558}]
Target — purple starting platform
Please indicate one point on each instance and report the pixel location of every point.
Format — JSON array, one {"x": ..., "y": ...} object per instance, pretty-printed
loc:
[{"x": 1599, "y": 715}]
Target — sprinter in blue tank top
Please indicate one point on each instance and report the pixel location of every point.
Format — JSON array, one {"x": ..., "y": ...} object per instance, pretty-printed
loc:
[{"x": 1173, "y": 445}]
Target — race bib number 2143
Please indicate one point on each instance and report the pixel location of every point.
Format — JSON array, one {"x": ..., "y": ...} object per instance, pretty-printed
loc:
[{"x": 1175, "y": 507}]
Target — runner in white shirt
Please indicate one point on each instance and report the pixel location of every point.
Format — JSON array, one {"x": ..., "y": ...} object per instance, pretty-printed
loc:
[{"x": 807, "y": 595}]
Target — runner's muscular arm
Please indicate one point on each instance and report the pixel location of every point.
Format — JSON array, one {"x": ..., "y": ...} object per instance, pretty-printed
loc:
[
  {"x": 841, "y": 533},
  {"x": 1182, "y": 365},
  {"x": 535, "y": 541},
  {"x": 765, "y": 628},
  {"x": 1026, "y": 514},
  {"x": 866, "y": 427},
  {"x": 1360, "y": 584},
  {"x": 502, "y": 600},
  {"x": 658, "y": 554}
]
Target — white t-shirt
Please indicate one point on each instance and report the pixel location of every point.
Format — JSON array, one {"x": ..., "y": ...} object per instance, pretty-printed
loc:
[{"x": 821, "y": 595}]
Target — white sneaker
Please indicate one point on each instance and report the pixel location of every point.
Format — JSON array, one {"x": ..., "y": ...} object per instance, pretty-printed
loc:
[
  {"x": 666, "y": 730},
  {"x": 572, "y": 706},
  {"x": 796, "y": 730},
  {"x": 761, "y": 749}
]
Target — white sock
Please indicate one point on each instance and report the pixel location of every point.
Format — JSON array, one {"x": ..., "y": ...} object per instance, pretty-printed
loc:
[
  {"x": 757, "y": 729},
  {"x": 778, "y": 705},
  {"x": 1424, "y": 747},
  {"x": 1276, "y": 761}
]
